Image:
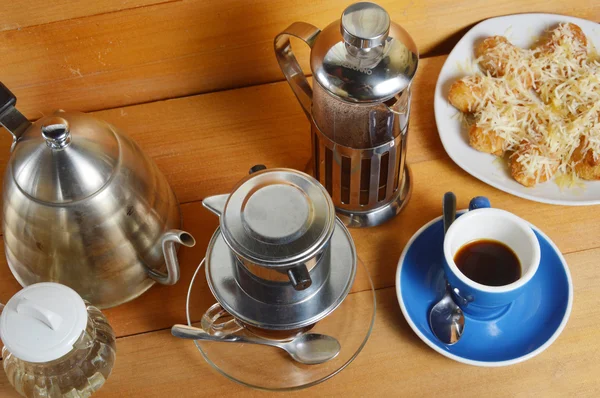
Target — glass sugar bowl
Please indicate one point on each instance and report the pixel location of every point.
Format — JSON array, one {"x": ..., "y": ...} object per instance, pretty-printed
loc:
[{"x": 55, "y": 343}]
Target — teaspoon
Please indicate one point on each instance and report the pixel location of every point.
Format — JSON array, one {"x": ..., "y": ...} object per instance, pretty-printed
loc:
[
  {"x": 308, "y": 348},
  {"x": 446, "y": 319}
]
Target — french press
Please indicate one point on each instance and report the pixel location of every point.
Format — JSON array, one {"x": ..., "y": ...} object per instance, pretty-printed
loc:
[{"x": 359, "y": 107}]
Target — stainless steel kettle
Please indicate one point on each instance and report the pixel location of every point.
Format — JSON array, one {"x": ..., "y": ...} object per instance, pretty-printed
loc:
[{"x": 85, "y": 207}]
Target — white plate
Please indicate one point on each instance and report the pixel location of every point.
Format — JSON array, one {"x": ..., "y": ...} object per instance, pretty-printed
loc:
[{"x": 523, "y": 31}]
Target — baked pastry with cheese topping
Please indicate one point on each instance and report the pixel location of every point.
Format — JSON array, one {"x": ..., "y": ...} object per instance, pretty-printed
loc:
[
  {"x": 529, "y": 166},
  {"x": 486, "y": 140},
  {"x": 497, "y": 56},
  {"x": 587, "y": 162},
  {"x": 540, "y": 105}
]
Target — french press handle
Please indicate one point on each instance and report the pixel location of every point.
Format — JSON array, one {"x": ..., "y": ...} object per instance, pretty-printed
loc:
[{"x": 289, "y": 64}]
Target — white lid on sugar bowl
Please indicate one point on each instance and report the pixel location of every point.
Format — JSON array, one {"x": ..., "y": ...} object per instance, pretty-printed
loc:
[{"x": 42, "y": 322}]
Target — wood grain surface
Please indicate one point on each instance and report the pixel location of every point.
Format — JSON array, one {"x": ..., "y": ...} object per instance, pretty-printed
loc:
[
  {"x": 393, "y": 363},
  {"x": 20, "y": 14},
  {"x": 173, "y": 49},
  {"x": 205, "y": 143},
  {"x": 151, "y": 68}
]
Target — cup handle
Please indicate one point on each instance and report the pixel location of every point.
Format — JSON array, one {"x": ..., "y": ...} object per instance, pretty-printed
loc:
[
  {"x": 459, "y": 298},
  {"x": 211, "y": 325},
  {"x": 479, "y": 202}
]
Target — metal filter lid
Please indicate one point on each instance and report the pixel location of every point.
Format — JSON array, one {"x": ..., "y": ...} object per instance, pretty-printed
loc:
[
  {"x": 364, "y": 57},
  {"x": 278, "y": 217}
]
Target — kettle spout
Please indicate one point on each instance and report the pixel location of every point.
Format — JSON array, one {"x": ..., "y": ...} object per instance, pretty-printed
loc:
[
  {"x": 216, "y": 203},
  {"x": 169, "y": 239}
]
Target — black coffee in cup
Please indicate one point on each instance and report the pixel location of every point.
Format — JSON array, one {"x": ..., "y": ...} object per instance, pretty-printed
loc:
[{"x": 488, "y": 262}]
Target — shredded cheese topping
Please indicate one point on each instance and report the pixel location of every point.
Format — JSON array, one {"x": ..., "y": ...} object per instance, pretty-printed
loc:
[{"x": 544, "y": 103}]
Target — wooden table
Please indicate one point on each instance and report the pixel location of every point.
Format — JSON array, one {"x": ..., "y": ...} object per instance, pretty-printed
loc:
[{"x": 196, "y": 84}]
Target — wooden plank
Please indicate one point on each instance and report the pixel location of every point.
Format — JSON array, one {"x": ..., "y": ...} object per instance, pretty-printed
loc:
[
  {"x": 207, "y": 154},
  {"x": 205, "y": 143},
  {"x": 189, "y": 47},
  {"x": 394, "y": 361},
  {"x": 23, "y": 13},
  {"x": 571, "y": 228}
]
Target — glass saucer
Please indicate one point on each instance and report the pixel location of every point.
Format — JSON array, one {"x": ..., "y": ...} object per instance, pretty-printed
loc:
[{"x": 269, "y": 368}]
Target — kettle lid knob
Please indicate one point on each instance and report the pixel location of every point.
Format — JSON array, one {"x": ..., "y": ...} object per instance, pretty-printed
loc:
[
  {"x": 56, "y": 133},
  {"x": 365, "y": 25}
]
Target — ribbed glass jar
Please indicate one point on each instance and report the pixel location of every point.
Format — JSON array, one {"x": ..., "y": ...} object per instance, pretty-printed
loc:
[{"x": 79, "y": 373}]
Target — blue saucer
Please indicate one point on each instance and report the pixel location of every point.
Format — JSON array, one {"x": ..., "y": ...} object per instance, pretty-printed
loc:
[{"x": 527, "y": 328}]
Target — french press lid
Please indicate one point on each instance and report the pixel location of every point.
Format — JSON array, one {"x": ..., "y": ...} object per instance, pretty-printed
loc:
[
  {"x": 277, "y": 217},
  {"x": 364, "y": 57}
]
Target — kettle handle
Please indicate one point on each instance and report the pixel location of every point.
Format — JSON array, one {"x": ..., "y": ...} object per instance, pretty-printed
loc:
[
  {"x": 169, "y": 239},
  {"x": 289, "y": 64},
  {"x": 10, "y": 117}
]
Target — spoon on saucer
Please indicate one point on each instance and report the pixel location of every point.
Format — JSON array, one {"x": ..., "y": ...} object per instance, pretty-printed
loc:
[
  {"x": 446, "y": 319},
  {"x": 307, "y": 348}
]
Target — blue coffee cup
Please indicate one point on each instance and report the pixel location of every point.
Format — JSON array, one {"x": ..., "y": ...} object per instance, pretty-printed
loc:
[{"x": 482, "y": 222}]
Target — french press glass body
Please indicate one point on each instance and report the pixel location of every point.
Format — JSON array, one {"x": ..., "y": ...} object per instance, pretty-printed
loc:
[{"x": 359, "y": 107}]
